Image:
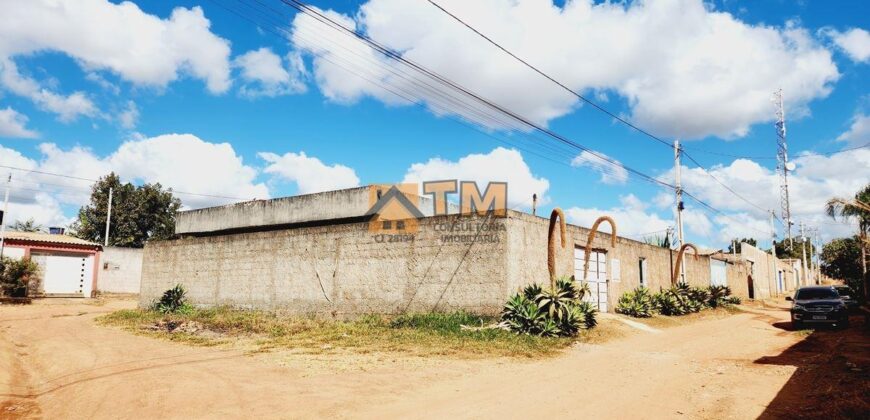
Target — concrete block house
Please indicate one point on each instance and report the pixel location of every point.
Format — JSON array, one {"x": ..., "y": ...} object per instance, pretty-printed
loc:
[
  {"x": 316, "y": 254},
  {"x": 68, "y": 266}
]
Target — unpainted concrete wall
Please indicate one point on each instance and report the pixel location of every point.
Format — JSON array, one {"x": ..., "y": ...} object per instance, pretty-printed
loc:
[
  {"x": 337, "y": 270},
  {"x": 120, "y": 270},
  {"x": 343, "y": 270},
  {"x": 763, "y": 272},
  {"x": 527, "y": 263}
]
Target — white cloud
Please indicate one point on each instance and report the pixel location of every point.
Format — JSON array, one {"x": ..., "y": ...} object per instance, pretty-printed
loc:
[
  {"x": 129, "y": 116},
  {"x": 309, "y": 173},
  {"x": 13, "y": 124},
  {"x": 44, "y": 209},
  {"x": 855, "y": 43},
  {"x": 499, "y": 165},
  {"x": 265, "y": 74},
  {"x": 188, "y": 164},
  {"x": 633, "y": 218},
  {"x": 612, "y": 172},
  {"x": 141, "y": 48},
  {"x": 859, "y": 132},
  {"x": 182, "y": 162},
  {"x": 67, "y": 108},
  {"x": 816, "y": 179},
  {"x": 684, "y": 70}
]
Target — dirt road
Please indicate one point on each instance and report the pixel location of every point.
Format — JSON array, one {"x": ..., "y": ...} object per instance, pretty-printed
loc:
[{"x": 56, "y": 363}]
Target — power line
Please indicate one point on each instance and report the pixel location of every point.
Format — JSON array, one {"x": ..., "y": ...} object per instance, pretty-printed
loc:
[
  {"x": 303, "y": 8},
  {"x": 550, "y": 78},
  {"x": 722, "y": 183},
  {"x": 96, "y": 180}
]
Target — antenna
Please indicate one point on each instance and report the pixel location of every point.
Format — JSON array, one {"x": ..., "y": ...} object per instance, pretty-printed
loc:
[{"x": 783, "y": 166}]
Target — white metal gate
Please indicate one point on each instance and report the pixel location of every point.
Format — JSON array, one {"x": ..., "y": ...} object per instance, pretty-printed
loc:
[
  {"x": 67, "y": 274},
  {"x": 717, "y": 273},
  {"x": 596, "y": 277}
]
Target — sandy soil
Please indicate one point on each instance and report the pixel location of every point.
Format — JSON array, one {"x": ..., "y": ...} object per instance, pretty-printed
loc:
[{"x": 56, "y": 363}]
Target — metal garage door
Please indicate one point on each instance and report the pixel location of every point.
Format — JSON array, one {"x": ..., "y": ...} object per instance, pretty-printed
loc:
[
  {"x": 596, "y": 277},
  {"x": 717, "y": 273},
  {"x": 67, "y": 274}
]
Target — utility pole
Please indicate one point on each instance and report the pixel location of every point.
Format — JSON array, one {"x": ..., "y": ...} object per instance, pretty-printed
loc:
[
  {"x": 679, "y": 192},
  {"x": 773, "y": 248},
  {"x": 804, "y": 255},
  {"x": 534, "y": 203},
  {"x": 5, "y": 215},
  {"x": 783, "y": 166},
  {"x": 108, "y": 219}
]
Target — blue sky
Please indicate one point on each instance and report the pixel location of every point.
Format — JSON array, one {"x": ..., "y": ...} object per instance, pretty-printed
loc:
[{"x": 701, "y": 78}]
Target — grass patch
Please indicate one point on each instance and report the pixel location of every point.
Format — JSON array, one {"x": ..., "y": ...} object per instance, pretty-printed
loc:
[{"x": 411, "y": 334}]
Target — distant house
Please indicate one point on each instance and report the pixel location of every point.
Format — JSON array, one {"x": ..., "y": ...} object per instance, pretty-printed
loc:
[{"x": 67, "y": 265}]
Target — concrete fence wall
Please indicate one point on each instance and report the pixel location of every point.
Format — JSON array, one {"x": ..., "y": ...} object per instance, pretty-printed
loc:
[
  {"x": 120, "y": 270},
  {"x": 336, "y": 270},
  {"x": 528, "y": 256},
  {"x": 343, "y": 270}
]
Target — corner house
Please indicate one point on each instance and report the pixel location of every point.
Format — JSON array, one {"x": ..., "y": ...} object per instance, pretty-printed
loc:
[
  {"x": 67, "y": 265},
  {"x": 317, "y": 254}
]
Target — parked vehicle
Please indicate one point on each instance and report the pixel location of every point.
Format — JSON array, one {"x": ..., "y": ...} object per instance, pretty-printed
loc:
[
  {"x": 849, "y": 297},
  {"x": 818, "y": 305}
]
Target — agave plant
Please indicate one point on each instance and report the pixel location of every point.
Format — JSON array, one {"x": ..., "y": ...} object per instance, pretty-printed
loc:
[
  {"x": 588, "y": 311},
  {"x": 637, "y": 303},
  {"x": 718, "y": 295},
  {"x": 532, "y": 291},
  {"x": 521, "y": 314},
  {"x": 549, "y": 312},
  {"x": 549, "y": 328},
  {"x": 556, "y": 302},
  {"x": 667, "y": 303},
  {"x": 679, "y": 262}
]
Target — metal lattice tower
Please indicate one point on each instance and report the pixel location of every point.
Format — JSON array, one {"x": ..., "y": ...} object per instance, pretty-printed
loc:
[{"x": 782, "y": 165}]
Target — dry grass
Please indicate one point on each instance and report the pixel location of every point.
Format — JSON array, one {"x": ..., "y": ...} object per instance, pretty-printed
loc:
[{"x": 412, "y": 335}]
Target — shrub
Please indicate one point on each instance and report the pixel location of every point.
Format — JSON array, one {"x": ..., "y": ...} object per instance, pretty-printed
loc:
[
  {"x": 718, "y": 296},
  {"x": 667, "y": 303},
  {"x": 732, "y": 300},
  {"x": 637, "y": 303},
  {"x": 549, "y": 313},
  {"x": 15, "y": 276},
  {"x": 173, "y": 301}
]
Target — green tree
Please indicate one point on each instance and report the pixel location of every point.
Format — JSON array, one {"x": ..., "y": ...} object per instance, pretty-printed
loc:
[
  {"x": 784, "y": 250},
  {"x": 856, "y": 208},
  {"x": 28, "y": 225},
  {"x": 841, "y": 260},
  {"x": 138, "y": 213},
  {"x": 750, "y": 241}
]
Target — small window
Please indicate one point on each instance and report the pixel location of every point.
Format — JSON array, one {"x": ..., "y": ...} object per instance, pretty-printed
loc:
[
  {"x": 641, "y": 269},
  {"x": 400, "y": 225},
  {"x": 388, "y": 224}
]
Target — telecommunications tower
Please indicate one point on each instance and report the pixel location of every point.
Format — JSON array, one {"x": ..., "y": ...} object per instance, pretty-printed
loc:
[{"x": 783, "y": 166}]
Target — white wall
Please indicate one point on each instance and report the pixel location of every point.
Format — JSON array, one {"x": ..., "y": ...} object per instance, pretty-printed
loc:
[
  {"x": 120, "y": 270},
  {"x": 13, "y": 252}
]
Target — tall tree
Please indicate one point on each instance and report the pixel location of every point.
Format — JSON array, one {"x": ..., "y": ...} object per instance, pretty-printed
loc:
[
  {"x": 750, "y": 241},
  {"x": 28, "y": 225},
  {"x": 841, "y": 260},
  {"x": 856, "y": 208},
  {"x": 138, "y": 213}
]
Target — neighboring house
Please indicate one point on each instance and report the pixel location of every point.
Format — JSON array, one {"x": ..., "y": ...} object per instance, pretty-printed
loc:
[{"x": 67, "y": 265}]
